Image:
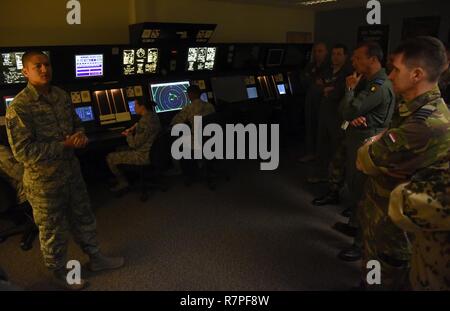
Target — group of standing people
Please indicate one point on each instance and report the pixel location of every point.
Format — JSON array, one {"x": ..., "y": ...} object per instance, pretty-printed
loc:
[{"x": 388, "y": 139}]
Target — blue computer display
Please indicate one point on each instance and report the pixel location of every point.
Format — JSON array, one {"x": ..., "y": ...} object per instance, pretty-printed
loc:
[
  {"x": 204, "y": 97},
  {"x": 131, "y": 106},
  {"x": 281, "y": 89},
  {"x": 170, "y": 96},
  {"x": 252, "y": 92},
  {"x": 85, "y": 113}
]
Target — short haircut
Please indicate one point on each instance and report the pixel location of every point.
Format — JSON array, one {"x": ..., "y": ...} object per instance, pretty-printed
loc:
[
  {"x": 341, "y": 46},
  {"x": 147, "y": 104},
  {"x": 426, "y": 52},
  {"x": 194, "y": 90},
  {"x": 373, "y": 49},
  {"x": 26, "y": 57}
]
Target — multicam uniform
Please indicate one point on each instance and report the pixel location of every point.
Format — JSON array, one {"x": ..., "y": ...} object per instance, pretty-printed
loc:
[{"x": 418, "y": 138}]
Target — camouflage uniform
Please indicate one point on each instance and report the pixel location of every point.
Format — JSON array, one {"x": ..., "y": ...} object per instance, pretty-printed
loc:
[
  {"x": 422, "y": 207},
  {"x": 12, "y": 172},
  {"x": 374, "y": 99},
  {"x": 37, "y": 126},
  {"x": 313, "y": 98},
  {"x": 419, "y": 137},
  {"x": 139, "y": 145},
  {"x": 330, "y": 134},
  {"x": 196, "y": 108}
]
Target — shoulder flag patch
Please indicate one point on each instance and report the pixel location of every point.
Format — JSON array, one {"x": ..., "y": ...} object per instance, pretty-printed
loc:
[{"x": 393, "y": 137}]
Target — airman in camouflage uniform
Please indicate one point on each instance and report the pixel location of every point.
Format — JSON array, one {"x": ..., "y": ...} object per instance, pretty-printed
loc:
[
  {"x": 140, "y": 139},
  {"x": 422, "y": 208},
  {"x": 418, "y": 137},
  {"x": 43, "y": 131}
]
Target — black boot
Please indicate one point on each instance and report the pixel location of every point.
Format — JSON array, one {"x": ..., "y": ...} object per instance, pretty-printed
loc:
[
  {"x": 331, "y": 198},
  {"x": 347, "y": 212},
  {"x": 345, "y": 229},
  {"x": 353, "y": 253}
]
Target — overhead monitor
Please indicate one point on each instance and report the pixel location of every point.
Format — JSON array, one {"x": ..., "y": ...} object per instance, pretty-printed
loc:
[
  {"x": 11, "y": 67},
  {"x": 89, "y": 65},
  {"x": 201, "y": 58},
  {"x": 170, "y": 96},
  {"x": 140, "y": 61},
  {"x": 281, "y": 89},
  {"x": 252, "y": 92},
  {"x": 275, "y": 57},
  {"x": 86, "y": 113}
]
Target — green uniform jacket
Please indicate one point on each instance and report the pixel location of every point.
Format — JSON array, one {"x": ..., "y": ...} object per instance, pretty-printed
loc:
[
  {"x": 37, "y": 126},
  {"x": 374, "y": 99},
  {"x": 142, "y": 139},
  {"x": 196, "y": 108},
  {"x": 419, "y": 137}
]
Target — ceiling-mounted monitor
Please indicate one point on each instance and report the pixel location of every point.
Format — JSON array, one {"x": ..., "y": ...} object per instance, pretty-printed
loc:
[
  {"x": 201, "y": 58},
  {"x": 274, "y": 57},
  {"x": 140, "y": 61}
]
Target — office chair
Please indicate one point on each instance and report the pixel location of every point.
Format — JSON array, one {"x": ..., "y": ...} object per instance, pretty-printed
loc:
[
  {"x": 21, "y": 215},
  {"x": 211, "y": 169},
  {"x": 159, "y": 161}
]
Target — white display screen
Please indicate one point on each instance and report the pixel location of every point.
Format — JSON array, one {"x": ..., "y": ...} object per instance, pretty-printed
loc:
[
  {"x": 87, "y": 66},
  {"x": 140, "y": 61},
  {"x": 202, "y": 58}
]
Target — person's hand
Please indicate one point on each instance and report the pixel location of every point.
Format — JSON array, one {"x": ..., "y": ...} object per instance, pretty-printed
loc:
[
  {"x": 361, "y": 121},
  {"x": 126, "y": 132},
  {"x": 327, "y": 90},
  {"x": 76, "y": 141},
  {"x": 80, "y": 140},
  {"x": 353, "y": 80}
]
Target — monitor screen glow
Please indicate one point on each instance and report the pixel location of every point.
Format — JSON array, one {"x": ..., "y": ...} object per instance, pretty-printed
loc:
[
  {"x": 131, "y": 107},
  {"x": 252, "y": 92},
  {"x": 201, "y": 58},
  {"x": 88, "y": 66},
  {"x": 281, "y": 89},
  {"x": 170, "y": 96},
  {"x": 85, "y": 113}
]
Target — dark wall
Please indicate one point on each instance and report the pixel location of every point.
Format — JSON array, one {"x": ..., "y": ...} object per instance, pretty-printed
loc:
[{"x": 342, "y": 25}]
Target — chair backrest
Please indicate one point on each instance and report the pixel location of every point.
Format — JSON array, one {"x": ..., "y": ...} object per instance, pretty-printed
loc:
[{"x": 160, "y": 151}]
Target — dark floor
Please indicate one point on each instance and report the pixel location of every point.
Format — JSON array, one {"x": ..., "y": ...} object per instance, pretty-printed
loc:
[{"x": 257, "y": 232}]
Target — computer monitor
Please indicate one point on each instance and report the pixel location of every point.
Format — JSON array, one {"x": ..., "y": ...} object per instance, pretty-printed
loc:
[
  {"x": 89, "y": 66},
  {"x": 11, "y": 67},
  {"x": 112, "y": 106},
  {"x": 204, "y": 97},
  {"x": 170, "y": 96},
  {"x": 131, "y": 107},
  {"x": 8, "y": 100},
  {"x": 281, "y": 89},
  {"x": 140, "y": 61},
  {"x": 252, "y": 92},
  {"x": 201, "y": 58},
  {"x": 275, "y": 57},
  {"x": 85, "y": 113}
]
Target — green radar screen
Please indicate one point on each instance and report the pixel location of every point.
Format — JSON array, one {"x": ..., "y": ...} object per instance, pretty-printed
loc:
[{"x": 170, "y": 96}]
